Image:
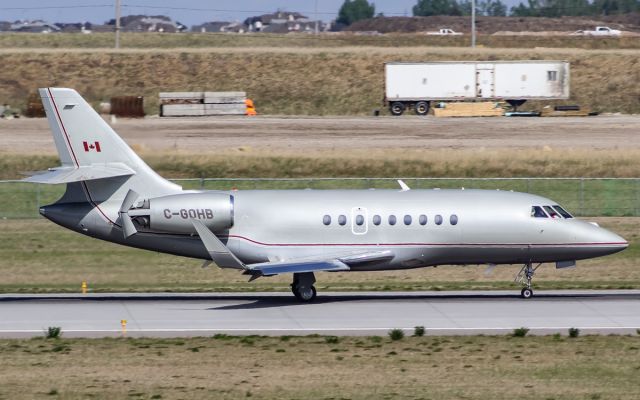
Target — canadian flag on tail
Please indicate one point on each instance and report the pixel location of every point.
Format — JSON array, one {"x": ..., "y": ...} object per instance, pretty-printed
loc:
[{"x": 91, "y": 146}]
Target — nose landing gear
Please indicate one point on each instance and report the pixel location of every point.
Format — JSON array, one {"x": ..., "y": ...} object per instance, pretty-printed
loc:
[
  {"x": 524, "y": 277},
  {"x": 526, "y": 293}
]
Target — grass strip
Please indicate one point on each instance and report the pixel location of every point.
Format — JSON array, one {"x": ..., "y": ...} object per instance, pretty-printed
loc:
[{"x": 427, "y": 367}]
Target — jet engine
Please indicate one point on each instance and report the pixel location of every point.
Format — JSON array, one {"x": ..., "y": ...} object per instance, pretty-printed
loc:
[{"x": 173, "y": 214}]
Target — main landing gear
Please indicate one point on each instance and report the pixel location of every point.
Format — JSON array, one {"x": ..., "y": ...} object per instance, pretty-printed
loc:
[
  {"x": 524, "y": 277},
  {"x": 302, "y": 286}
]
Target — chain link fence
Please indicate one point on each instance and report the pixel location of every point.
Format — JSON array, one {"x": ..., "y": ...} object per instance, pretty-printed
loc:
[{"x": 581, "y": 196}]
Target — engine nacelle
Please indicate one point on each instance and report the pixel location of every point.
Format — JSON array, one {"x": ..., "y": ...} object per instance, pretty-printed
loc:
[{"x": 174, "y": 213}]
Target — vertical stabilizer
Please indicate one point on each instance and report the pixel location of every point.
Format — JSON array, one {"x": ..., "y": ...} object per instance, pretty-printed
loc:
[{"x": 85, "y": 142}]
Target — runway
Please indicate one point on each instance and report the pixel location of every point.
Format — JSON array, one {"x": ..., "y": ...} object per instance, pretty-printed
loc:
[{"x": 344, "y": 313}]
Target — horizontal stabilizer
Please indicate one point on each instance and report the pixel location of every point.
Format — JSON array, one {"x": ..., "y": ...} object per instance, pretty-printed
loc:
[
  {"x": 83, "y": 173},
  {"x": 268, "y": 269}
]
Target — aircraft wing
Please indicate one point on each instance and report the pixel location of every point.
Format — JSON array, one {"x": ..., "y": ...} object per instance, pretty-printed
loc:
[
  {"x": 224, "y": 258},
  {"x": 332, "y": 263},
  {"x": 284, "y": 267}
]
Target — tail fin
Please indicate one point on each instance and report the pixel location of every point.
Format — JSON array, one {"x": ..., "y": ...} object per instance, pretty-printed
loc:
[
  {"x": 92, "y": 153},
  {"x": 82, "y": 137}
]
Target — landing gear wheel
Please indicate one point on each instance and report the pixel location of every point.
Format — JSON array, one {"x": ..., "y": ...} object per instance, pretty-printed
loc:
[
  {"x": 526, "y": 293},
  {"x": 397, "y": 108},
  {"x": 305, "y": 294},
  {"x": 302, "y": 286},
  {"x": 525, "y": 277},
  {"x": 422, "y": 108}
]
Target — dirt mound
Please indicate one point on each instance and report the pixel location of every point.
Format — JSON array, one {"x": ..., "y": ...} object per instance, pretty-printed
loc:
[{"x": 491, "y": 25}]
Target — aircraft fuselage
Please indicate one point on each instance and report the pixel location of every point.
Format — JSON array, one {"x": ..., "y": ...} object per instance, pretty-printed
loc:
[{"x": 419, "y": 227}]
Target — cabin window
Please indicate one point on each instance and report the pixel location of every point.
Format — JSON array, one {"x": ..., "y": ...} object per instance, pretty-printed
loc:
[
  {"x": 538, "y": 212},
  {"x": 552, "y": 213},
  {"x": 407, "y": 219},
  {"x": 453, "y": 219},
  {"x": 342, "y": 220},
  {"x": 359, "y": 220},
  {"x": 326, "y": 220},
  {"x": 422, "y": 219},
  {"x": 377, "y": 219},
  {"x": 552, "y": 76},
  {"x": 562, "y": 211},
  {"x": 392, "y": 219},
  {"x": 438, "y": 219}
]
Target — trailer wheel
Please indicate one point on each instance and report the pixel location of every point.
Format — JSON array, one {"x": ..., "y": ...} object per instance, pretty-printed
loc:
[
  {"x": 422, "y": 108},
  {"x": 515, "y": 103},
  {"x": 397, "y": 108}
]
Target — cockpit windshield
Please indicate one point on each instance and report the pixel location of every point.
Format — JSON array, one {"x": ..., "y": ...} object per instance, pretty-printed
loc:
[
  {"x": 562, "y": 212},
  {"x": 554, "y": 211},
  {"x": 538, "y": 212}
]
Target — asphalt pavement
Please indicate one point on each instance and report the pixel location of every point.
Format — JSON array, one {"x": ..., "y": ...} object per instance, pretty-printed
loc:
[{"x": 336, "y": 313}]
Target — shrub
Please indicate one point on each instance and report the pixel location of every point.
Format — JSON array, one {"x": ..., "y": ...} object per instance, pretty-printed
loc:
[
  {"x": 222, "y": 336},
  {"x": 520, "y": 332},
  {"x": 331, "y": 339},
  {"x": 574, "y": 332},
  {"x": 418, "y": 331},
  {"x": 396, "y": 334},
  {"x": 53, "y": 332}
]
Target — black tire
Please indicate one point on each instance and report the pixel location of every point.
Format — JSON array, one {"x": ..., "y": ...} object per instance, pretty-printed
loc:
[
  {"x": 397, "y": 108},
  {"x": 526, "y": 293},
  {"x": 515, "y": 103},
  {"x": 422, "y": 108},
  {"x": 294, "y": 290},
  {"x": 305, "y": 295}
]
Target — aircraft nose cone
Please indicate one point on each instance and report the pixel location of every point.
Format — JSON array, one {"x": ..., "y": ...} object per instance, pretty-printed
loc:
[
  {"x": 616, "y": 239},
  {"x": 609, "y": 242}
]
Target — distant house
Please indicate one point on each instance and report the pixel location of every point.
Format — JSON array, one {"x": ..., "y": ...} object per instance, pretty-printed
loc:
[
  {"x": 146, "y": 23},
  {"x": 292, "y": 26},
  {"x": 219, "y": 26},
  {"x": 79, "y": 27},
  {"x": 281, "y": 22},
  {"x": 37, "y": 26},
  {"x": 5, "y": 26},
  {"x": 95, "y": 28}
]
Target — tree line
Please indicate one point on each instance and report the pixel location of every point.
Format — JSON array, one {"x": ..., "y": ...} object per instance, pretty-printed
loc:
[{"x": 355, "y": 10}]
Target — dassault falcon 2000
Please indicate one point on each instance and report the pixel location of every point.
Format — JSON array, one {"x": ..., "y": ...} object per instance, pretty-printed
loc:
[{"x": 113, "y": 195}]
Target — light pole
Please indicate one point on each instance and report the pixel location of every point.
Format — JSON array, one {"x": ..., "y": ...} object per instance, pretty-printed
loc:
[
  {"x": 473, "y": 23},
  {"x": 316, "y": 16},
  {"x": 118, "y": 24}
]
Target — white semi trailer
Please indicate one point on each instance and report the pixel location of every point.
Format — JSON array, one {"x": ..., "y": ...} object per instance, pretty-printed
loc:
[{"x": 416, "y": 85}]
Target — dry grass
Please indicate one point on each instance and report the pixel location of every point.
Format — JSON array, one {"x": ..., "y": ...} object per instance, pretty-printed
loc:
[
  {"x": 38, "y": 256},
  {"x": 213, "y": 40},
  {"x": 478, "y": 163},
  {"x": 337, "y": 163},
  {"x": 290, "y": 81},
  {"x": 592, "y": 367}
]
